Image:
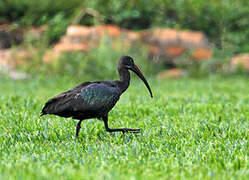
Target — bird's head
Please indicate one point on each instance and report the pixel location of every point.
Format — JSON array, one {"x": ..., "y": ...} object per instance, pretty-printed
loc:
[{"x": 128, "y": 63}]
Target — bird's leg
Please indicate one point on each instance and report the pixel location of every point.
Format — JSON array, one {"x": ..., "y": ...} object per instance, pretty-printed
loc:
[
  {"x": 77, "y": 130},
  {"x": 123, "y": 130}
]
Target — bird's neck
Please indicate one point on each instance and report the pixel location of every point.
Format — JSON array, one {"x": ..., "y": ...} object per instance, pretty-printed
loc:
[{"x": 124, "y": 79}]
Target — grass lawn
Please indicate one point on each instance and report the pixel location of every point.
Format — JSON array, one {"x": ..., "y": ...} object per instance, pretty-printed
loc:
[{"x": 191, "y": 129}]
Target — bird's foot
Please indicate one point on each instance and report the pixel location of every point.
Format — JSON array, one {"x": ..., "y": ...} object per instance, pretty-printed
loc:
[{"x": 124, "y": 130}]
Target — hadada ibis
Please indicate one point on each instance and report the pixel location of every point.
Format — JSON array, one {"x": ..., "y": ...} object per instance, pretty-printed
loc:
[{"x": 95, "y": 99}]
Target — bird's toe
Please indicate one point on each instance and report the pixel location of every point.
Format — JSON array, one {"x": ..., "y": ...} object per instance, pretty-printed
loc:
[
  {"x": 135, "y": 131},
  {"x": 131, "y": 130}
]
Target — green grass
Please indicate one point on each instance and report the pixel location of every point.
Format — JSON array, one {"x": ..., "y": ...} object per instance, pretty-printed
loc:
[{"x": 191, "y": 129}]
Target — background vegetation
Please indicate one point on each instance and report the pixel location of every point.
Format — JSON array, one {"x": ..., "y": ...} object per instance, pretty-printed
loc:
[{"x": 225, "y": 22}]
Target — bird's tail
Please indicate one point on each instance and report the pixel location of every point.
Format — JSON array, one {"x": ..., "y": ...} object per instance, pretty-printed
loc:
[{"x": 43, "y": 112}]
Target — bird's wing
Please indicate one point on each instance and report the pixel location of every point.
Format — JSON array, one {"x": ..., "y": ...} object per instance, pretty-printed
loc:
[
  {"x": 100, "y": 97},
  {"x": 95, "y": 97},
  {"x": 57, "y": 103}
]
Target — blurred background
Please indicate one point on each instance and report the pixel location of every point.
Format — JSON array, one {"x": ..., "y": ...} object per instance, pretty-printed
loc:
[{"x": 167, "y": 38}]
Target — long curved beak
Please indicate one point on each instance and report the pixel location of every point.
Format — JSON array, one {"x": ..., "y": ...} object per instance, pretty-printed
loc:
[{"x": 136, "y": 70}]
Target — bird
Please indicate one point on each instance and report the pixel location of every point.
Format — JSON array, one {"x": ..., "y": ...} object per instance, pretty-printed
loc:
[{"x": 95, "y": 99}]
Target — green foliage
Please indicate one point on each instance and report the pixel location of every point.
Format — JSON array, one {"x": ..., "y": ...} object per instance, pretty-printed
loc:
[
  {"x": 56, "y": 28},
  {"x": 130, "y": 14},
  {"x": 190, "y": 130},
  {"x": 224, "y": 21},
  {"x": 38, "y": 12},
  {"x": 98, "y": 63}
]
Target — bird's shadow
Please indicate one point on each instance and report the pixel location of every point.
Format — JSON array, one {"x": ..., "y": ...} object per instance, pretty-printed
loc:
[
  {"x": 90, "y": 131},
  {"x": 100, "y": 135}
]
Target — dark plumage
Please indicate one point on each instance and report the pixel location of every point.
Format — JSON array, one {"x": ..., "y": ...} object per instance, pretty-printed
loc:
[{"x": 94, "y": 99}]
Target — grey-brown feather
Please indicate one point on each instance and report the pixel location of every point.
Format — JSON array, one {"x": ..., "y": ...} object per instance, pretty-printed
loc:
[
  {"x": 88, "y": 100},
  {"x": 52, "y": 106}
]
